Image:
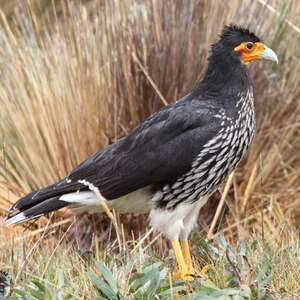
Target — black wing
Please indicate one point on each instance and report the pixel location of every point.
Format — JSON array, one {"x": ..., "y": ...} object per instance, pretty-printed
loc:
[{"x": 158, "y": 151}]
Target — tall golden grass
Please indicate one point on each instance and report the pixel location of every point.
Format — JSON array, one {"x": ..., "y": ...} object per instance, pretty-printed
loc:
[{"x": 74, "y": 81}]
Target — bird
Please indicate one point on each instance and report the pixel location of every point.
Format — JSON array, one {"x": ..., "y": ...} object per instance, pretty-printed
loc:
[{"x": 170, "y": 164}]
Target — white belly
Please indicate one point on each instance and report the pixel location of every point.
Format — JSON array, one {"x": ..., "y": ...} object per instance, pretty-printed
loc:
[
  {"x": 179, "y": 222},
  {"x": 87, "y": 201},
  {"x": 174, "y": 223}
]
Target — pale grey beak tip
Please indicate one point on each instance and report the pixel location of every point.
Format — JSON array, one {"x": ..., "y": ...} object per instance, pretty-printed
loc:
[{"x": 269, "y": 54}]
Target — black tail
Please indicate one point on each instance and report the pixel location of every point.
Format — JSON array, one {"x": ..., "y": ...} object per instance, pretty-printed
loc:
[{"x": 42, "y": 201}]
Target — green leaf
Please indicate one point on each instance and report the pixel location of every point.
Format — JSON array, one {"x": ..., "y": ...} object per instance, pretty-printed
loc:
[
  {"x": 239, "y": 297},
  {"x": 135, "y": 282},
  {"x": 61, "y": 278},
  {"x": 163, "y": 274},
  {"x": 222, "y": 241},
  {"x": 230, "y": 293},
  {"x": 60, "y": 284},
  {"x": 153, "y": 284},
  {"x": 223, "y": 292},
  {"x": 172, "y": 291},
  {"x": 262, "y": 273},
  {"x": 103, "y": 287},
  {"x": 107, "y": 276},
  {"x": 36, "y": 293},
  {"x": 197, "y": 296},
  {"x": 244, "y": 247},
  {"x": 20, "y": 292},
  {"x": 151, "y": 267},
  {"x": 39, "y": 285},
  {"x": 254, "y": 245},
  {"x": 210, "y": 285},
  {"x": 245, "y": 291},
  {"x": 206, "y": 250},
  {"x": 144, "y": 281},
  {"x": 29, "y": 297},
  {"x": 266, "y": 281},
  {"x": 265, "y": 297}
]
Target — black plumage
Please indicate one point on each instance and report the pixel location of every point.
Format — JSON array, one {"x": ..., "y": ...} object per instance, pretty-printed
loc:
[
  {"x": 171, "y": 163},
  {"x": 182, "y": 152}
]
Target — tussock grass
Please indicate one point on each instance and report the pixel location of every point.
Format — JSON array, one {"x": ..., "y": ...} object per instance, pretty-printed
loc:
[
  {"x": 76, "y": 77},
  {"x": 69, "y": 89}
]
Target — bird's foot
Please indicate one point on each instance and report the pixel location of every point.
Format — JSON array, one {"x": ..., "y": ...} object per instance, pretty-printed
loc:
[
  {"x": 186, "y": 270},
  {"x": 183, "y": 276},
  {"x": 204, "y": 271},
  {"x": 190, "y": 274}
]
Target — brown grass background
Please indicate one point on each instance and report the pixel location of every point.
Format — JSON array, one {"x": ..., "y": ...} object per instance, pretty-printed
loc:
[{"x": 77, "y": 76}]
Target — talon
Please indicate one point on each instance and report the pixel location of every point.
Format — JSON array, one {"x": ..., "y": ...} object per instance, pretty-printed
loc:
[
  {"x": 183, "y": 276},
  {"x": 204, "y": 270}
]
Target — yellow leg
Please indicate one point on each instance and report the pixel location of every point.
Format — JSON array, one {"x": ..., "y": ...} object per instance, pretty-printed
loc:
[
  {"x": 183, "y": 269},
  {"x": 187, "y": 257},
  {"x": 188, "y": 260}
]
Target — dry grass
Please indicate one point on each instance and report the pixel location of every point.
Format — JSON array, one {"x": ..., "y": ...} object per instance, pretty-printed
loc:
[
  {"x": 76, "y": 78},
  {"x": 46, "y": 258}
]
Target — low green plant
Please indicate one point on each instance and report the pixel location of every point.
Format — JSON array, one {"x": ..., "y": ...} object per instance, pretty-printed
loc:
[
  {"x": 151, "y": 282},
  {"x": 241, "y": 272},
  {"x": 232, "y": 268},
  {"x": 37, "y": 289}
]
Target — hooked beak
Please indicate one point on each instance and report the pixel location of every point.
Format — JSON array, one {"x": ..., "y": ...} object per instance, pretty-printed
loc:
[{"x": 269, "y": 54}]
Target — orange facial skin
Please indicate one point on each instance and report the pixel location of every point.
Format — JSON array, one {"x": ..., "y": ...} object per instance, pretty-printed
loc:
[{"x": 250, "y": 51}]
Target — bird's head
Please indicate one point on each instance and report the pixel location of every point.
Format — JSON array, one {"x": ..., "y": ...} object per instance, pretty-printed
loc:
[{"x": 245, "y": 45}]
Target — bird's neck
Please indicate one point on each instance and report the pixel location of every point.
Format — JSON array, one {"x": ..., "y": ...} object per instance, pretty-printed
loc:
[{"x": 225, "y": 74}]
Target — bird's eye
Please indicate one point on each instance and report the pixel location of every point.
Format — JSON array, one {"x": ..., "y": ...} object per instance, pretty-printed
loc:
[{"x": 249, "y": 46}]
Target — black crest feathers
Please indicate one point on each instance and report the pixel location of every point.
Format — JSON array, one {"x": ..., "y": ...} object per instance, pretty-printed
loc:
[{"x": 234, "y": 35}]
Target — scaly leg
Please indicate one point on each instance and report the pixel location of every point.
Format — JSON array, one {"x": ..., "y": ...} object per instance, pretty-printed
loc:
[
  {"x": 188, "y": 260},
  {"x": 187, "y": 257},
  {"x": 183, "y": 269}
]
